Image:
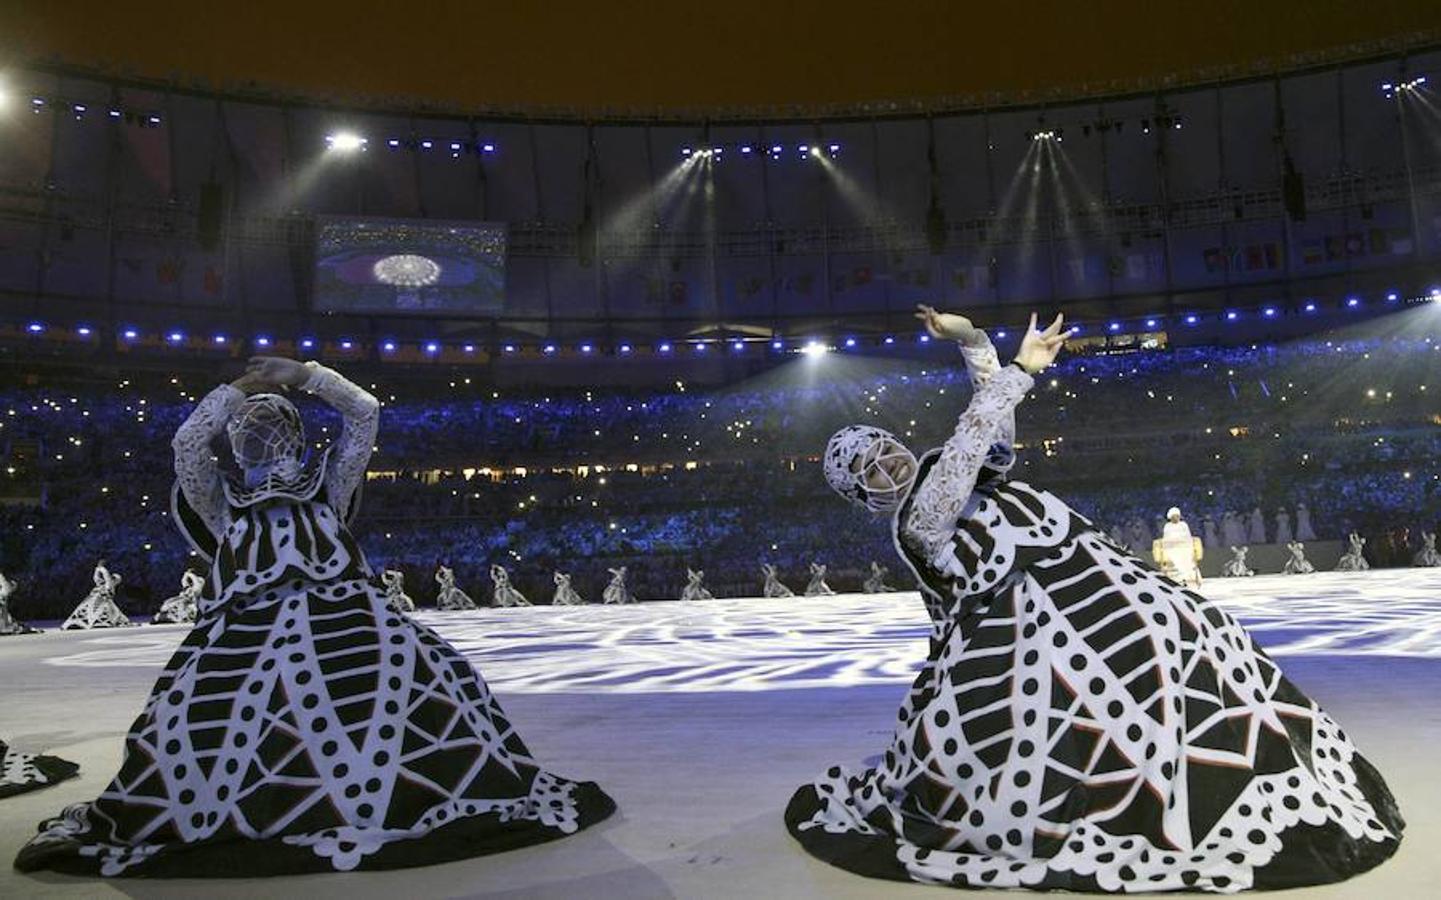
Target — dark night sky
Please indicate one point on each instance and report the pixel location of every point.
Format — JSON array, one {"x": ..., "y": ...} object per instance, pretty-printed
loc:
[{"x": 639, "y": 53}]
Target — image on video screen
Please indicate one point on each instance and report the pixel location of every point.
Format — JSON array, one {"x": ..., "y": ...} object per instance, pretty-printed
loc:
[{"x": 409, "y": 266}]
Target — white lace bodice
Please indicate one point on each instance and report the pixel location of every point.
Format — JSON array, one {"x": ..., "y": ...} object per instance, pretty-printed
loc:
[
  {"x": 942, "y": 496},
  {"x": 198, "y": 471}
]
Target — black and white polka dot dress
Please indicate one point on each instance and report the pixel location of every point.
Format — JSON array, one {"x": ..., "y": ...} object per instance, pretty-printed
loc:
[
  {"x": 1084, "y": 723},
  {"x": 305, "y": 726},
  {"x": 21, "y": 773}
]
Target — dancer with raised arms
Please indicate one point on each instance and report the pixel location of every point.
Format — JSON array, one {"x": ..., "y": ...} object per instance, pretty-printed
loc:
[
  {"x": 303, "y": 725},
  {"x": 1082, "y": 722}
]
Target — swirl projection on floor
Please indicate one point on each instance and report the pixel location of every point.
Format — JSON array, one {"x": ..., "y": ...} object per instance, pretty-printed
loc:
[{"x": 851, "y": 639}]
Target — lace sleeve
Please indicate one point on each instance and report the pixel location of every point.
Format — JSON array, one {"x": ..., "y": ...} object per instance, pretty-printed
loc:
[
  {"x": 360, "y": 414},
  {"x": 982, "y": 363},
  {"x": 945, "y": 490},
  {"x": 196, "y": 469}
]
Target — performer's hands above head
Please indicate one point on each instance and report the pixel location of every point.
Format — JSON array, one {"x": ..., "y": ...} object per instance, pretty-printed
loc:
[
  {"x": 278, "y": 370},
  {"x": 1040, "y": 348},
  {"x": 949, "y": 326},
  {"x": 251, "y": 383}
]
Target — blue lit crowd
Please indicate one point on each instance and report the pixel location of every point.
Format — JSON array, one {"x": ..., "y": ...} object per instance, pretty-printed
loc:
[{"x": 725, "y": 480}]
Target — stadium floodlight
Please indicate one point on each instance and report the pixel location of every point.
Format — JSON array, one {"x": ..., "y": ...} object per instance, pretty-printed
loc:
[
  {"x": 625, "y": 348},
  {"x": 130, "y": 334},
  {"x": 469, "y": 348},
  {"x": 307, "y": 343},
  {"x": 1232, "y": 315},
  {"x": 35, "y": 328},
  {"x": 738, "y": 344},
  {"x": 888, "y": 340},
  {"x": 1001, "y": 334},
  {"x": 850, "y": 342},
  {"x": 345, "y": 141},
  {"x": 83, "y": 331},
  {"x": 1192, "y": 319},
  {"x": 1150, "y": 323},
  {"x": 1310, "y": 306},
  {"x": 664, "y": 347},
  {"x": 586, "y": 348},
  {"x": 509, "y": 348},
  {"x": 347, "y": 345},
  {"x": 1393, "y": 296},
  {"x": 1114, "y": 326},
  {"x": 487, "y": 148},
  {"x": 925, "y": 339},
  {"x": 1269, "y": 312},
  {"x": 1353, "y": 302},
  {"x": 175, "y": 337},
  {"x": 432, "y": 347},
  {"x": 260, "y": 340},
  {"x": 220, "y": 339},
  {"x": 548, "y": 348},
  {"x": 777, "y": 344},
  {"x": 388, "y": 346}
]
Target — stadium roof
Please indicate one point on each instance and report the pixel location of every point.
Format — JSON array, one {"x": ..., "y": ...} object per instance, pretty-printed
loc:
[{"x": 725, "y": 55}]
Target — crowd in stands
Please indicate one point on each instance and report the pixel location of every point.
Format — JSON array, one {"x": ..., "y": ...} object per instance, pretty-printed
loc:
[{"x": 725, "y": 480}]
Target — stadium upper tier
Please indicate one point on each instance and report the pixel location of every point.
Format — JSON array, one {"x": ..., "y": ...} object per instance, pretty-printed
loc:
[{"x": 128, "y": 204}]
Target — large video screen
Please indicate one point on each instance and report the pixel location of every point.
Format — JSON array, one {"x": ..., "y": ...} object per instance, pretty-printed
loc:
[{"x": 409, "y": 266}]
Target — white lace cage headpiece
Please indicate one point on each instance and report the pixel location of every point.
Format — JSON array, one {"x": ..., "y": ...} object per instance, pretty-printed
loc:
[
  {"x": 858, "y": 442},
  {"x": 267, "y": 438}
]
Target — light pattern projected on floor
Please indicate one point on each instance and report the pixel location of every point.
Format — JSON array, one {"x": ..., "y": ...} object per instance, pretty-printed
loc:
[{"x": 756, "y": 644}]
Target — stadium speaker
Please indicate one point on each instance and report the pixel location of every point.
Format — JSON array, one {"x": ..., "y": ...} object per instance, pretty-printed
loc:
[
  {"x": 211, "y": 216},
  {"x": 585, "y": 241},
  {"x": 936, "y": 227},
  {"x": 1293, "y": 191}
]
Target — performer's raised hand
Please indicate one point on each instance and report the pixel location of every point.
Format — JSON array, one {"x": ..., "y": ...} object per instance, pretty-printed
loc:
[
  {"x": 949, "y": 326},
  {"x": 1040, "y": 348},
  {"x": 278, "y": 370}
]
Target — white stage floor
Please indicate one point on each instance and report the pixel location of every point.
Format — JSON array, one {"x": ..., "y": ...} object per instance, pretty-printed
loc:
[{"x": 701, "y": 719}]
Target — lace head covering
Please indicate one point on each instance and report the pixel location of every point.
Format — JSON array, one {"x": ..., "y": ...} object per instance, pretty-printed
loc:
[
  {"x": 267, "y": 438},
  {"x": 870, "y": 446},
  {"x": 1174, "y": 514}
]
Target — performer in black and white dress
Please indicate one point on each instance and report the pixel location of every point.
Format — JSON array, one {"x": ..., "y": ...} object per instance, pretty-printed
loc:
[
  {"x": 1236, "y": 566},
  {"x": 450, "y": 597},
  {"x": 565, "y": 595},
  {"x": 1353, "y": 560},
  {"x": 395, "y": 596},
  {"x": 505, "y": 592},
  {"x": 616, "y": 592},
  {"x": 182, "y": 608},
  {"x": 98, "y": 609},
  {"x": 21, "y": 773},
  {"x": 1082, "y": 722},
  {"x": 8, "y": 623},
  {"x": 817, "y": 586},
  {"x": 1297, "y": 563},
  {"x": 1426, "y": 556},
  {"x": 773, "y": 586},
  {"x": 876, "y": 582},
  {"x": 303, "y": 726},
  {"x": 695, "y": 588}
]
